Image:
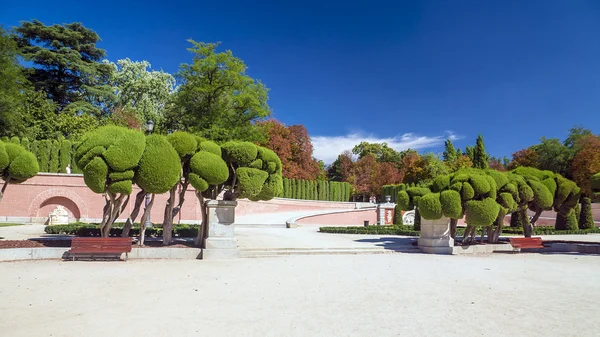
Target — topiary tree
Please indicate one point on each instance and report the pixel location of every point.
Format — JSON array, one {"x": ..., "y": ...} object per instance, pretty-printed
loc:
[
  {"x": 16, "y": 165},
  {"x": 586, "y": 218},
  {"x": 158, "y": 171},
  {"x": 595, "y": 186},
  {"x": 109, "y": 157},
  {"x": 244, "y": 170}
]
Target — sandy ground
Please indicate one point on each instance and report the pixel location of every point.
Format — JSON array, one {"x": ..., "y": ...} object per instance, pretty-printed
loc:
[{"x": 364, "y": 295}]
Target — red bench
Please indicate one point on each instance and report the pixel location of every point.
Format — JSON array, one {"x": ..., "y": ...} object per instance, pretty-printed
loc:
[
  {"x": 526, "y": 242},
  {"x": 100, "y": 247}
]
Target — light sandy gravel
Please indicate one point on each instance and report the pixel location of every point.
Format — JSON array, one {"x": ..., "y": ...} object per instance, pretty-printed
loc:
[{"x": 353, "y": 295}]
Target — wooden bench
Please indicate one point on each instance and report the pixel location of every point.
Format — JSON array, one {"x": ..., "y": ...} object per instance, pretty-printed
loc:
[
  {"x": 100, "y": 247},
  {"x": 526, "y": 242}
]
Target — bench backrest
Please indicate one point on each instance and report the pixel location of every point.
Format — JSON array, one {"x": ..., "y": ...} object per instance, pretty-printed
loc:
[
  {"x": 526, "y": 240},
  {"x": 123, "y": 244}
]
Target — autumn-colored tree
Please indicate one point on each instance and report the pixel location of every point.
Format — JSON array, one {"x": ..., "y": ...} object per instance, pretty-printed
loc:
[
  {"x": 367, "y": 171},
  {"x": 525, "y": 157},
  {"x": 411, "y": 166},
  {"x": 496, "y": 164},
  {"x": 293, "y": 145},
  {"x": 586, "y": 162}
]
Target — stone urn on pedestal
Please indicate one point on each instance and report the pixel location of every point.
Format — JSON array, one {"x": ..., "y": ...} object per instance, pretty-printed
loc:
[
  {"x": 435, "y": 236},
  {"x": 220, "y": 242}
]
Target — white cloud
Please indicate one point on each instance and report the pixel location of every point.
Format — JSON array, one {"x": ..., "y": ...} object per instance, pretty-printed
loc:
[{"x": 328, "y": 148}]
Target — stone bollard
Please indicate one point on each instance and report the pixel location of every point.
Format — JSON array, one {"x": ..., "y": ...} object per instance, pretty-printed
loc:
[
  {"x": 221, "y": 242},
  {"x": 385, "y": 214},
  {"x": 435, "y": 236}
]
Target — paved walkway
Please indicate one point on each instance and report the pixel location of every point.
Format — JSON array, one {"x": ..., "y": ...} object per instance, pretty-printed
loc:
[
  {"x": 271, "y": 219},
  {"x": 344, "y": 295}
]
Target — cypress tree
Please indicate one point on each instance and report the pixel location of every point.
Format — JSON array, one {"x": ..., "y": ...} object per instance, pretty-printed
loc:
[
  {"x": 398, "y": 216},
  {"x": 417, "y": 219},
  {"x": 43, "y": 155},
  {"x": 586, "y": 219},
  {"x": 54, "y": 153},
  {"x": 64, "y": 156},
  {"x": 480, "y": 157},
  {"x": 293, "y": 188},
  {"x": 449, "y": 152},
  {"x": 298, "y": 189}
]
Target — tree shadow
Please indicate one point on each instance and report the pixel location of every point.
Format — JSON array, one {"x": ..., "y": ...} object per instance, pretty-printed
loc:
[{"x": 393, "y": 243}]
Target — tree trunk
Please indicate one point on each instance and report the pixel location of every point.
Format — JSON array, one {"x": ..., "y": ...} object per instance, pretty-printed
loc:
[
  {"x": 139, "y": 199},
  {"x": 536, "y": 216},
  {"x": 114, "y": 213},
  {"x": 527, "y": 228},
  {"x": 106, "y": 212},
  {"x": 4, "y": 187},
  {"x": 453, "y": 224},
  {"x": 143, "y": 221},
  {"x": 203, "y": 230},
  {"x": 168, "y": 220}
]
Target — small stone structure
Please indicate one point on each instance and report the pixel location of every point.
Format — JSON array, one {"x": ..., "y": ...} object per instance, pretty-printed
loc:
[
  {"x": 435, "y": 236},
  {"x": 58, "y": 216},
  {"x": 385, "y": 214},
  {"x": 221, "y": 242}
]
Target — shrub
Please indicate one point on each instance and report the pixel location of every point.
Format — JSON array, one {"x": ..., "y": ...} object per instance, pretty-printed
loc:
[
  {"x": 440, "y": 183},
  {"x": 23, "y": 167},
  {"x": 480, "y": 185},
  {"x": 403, "y": 200},
  {"x": 417, "y": 224},
  {"x": 481, "y": 212},
  {"x": 185, "y": 144},
  {"x": 451, "y": 204},
  {"x": 211, "y": 147},
  {"x": 467, "y": 192},
  {"x": 210, "y": 167},
  {"x": 541, "y": 195},
  {"x": 240, "y": 153},
  {"x": 159, "y": 168},
  {"x": 398, "y": 216},
  {"x": 430, "y": 206},
  {"x": 586, "y": 219},
  {"x": 250, "y": 181}
]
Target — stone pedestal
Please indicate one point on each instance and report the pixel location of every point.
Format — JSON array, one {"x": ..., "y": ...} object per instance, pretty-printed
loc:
[
  {"x": 435, "y": 236},
  {"x": 58, "y": 216},
  {"x": 221, "y": 242},
  {"x": 385, "y": 214}
]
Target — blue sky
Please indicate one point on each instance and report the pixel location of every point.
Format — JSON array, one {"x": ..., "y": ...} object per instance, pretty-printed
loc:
[{"x": 408, "y": 72}]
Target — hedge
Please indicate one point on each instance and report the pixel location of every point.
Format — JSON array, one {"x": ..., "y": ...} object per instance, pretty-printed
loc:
[
  {"x": 54, "y": 154},
  {"x": 315, "y": 190},
  {"x": 411, "y": 231},
  {"x": 81, "y": 229}
]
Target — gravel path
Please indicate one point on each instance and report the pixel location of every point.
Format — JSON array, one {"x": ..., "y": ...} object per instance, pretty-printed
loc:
[{"x": 364, "y": 295}]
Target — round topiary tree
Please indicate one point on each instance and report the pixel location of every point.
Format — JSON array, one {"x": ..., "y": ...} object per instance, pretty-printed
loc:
[
  {"x": 16, "y": 165},
  {"x": 595, "y": 186},
  {"x": 157, "y": 172},
  {"x": 586, "y": 218},
  {"x": 244, "y": 170},
  {"x": 109, "y": 157}
]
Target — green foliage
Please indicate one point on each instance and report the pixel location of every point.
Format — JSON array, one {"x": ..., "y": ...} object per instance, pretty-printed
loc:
[
  {"x": 159, "y": 168},
  {"x": 23, "y": 167},
  {"x": 541, "y": 195},
  {"x": 481, "y": 212},
  {"x": 4, "y": 159},
  {"x": 13, "y": 150},
  {"x": 271, "y": 188},
  {"x": 211, "y": 147},
  {"x": 15, "y": 140},
  {"x": 64, "y": 156},
  {"x": 118, "y": 176},
  {"x": 54, "y": 156},
  {"x": 93, "y": 230},
  {"x": 66, "y": 66},
  {"x": 467, "y": 192},
  {"x": 586, "y": 218},
  {"x": 480, "y": 157},
  {"x": 240, "y": 153},
  {"x": 403, "y": 201},
  {"x": 417, "y": 224},
  {"x": 216, "y": 97},
  {"x": 595, "y": 185},
  {"x": 451, "y": 204},
  {"x": 507, "y": 201},
  {"x": 480, "y": 185},
  {"x": 94, "y": 175},
  {"x": 185, "y": 144},
  {"x": 398, "y": 215},
  {"x": 374, "y": 230},
  {"x": 250, "y": 181},
  {"x": 198, "y": 182},
  {"x": 210, "y": 167},
  {"x": 440, "y": 183},
  {"x": 450, "y": 154},
  {"x": 25, "y": 143},
  {"x": 107, "y": 150},
  {"x": 43, "y": 155},
  {"x": 430, "y": 206}
]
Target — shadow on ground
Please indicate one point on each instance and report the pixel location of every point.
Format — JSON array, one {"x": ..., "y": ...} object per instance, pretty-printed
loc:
[{"x": 392, "y": 243}]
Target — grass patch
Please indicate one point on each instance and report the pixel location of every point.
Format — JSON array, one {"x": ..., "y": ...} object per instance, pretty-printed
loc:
[{"x": 11, "y": 224}]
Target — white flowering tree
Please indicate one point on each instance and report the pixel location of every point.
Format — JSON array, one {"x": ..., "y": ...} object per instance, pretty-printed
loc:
[{"x": 141, "y": 90}]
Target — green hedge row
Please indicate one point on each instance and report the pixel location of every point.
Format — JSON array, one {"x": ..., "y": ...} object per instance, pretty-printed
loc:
[
  {"x": 410, "y": 230},
  {"x": 53, "y": 155},
  {"x": 315, "y": 190},
  {"x": 87, "y": 230}
]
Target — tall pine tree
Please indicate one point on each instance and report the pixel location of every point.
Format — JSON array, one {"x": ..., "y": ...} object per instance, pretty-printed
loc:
[
  {"x": 450, "y": 154},
  {"x": 480, "y": 157}
]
